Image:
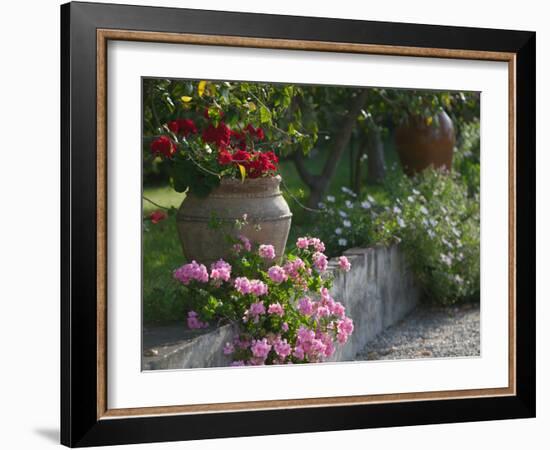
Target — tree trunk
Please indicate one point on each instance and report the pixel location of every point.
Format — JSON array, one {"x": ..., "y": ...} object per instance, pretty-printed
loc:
[
  {"x": 376, "y": 170},
  {"x": 318, "y": 184},
  {"x": 358, "y": 168}
]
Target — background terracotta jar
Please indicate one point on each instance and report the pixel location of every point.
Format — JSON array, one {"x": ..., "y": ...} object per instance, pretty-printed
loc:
[
  {"x": 267, "y": 211},
  {"x": 420, "y": 145}
]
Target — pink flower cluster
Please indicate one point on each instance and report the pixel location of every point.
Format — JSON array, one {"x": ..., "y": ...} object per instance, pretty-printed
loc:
[
  {"x": 305, "y": 306},
  {"x": 320, "y": 261},
  {"x": 267, "y": 251},
  {"x": 255, "y": 287},
  {"x": 193, "y": 321},
  {"x": 294, "y": 322},
  {"x": 244, "y": 244},
  {"x": 254, "y": 311},
  {"x": 306, "y": 242},
  {"x": 344, "y": 328},
  {"x": 293, "y": 268},
  {"x": 192, "y": 271},
  {"x": 277, "y": 274},
  {"x": 344, "y": 263},
  {"x": 220, "y": 270},
  {"x": 260, "y": 349},
  {"x": 276, "y": 309},
  {"x": 313, "y": 346}
]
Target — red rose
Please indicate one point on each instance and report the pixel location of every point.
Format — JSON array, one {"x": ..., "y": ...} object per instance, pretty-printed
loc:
[
  {"x": 163, "y": 145},
  {"x": 260, "y": 134},
  {"x": 224, "y": 157},
  {"x": 242, "y": 157},
  {"x": 182, "y": 126},
  {"x": 261, "y": 164},
  {"x": 157, "y": 216},
  {"x": 186, "y": 127},
  {"x": 220, "y": 135},
  {"x": 272, "y": 157},
  {"x": 255, "y": 133},
  {"x": 173, "y": 126}
]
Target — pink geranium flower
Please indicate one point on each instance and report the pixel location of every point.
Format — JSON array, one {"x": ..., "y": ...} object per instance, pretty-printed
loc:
[
  {"x": 305, "y": 306},
  {"x": 320, "y": 261},
  {"x": 260, "y": 348},
  {"x": 344, "y": 264},
  {"x": 192, "y": 271},
  {"x": 267, "y": 251},
  {"x": 193, "y": 321},
  {"x": 302, "y": 242},
  {"x": 276, "y": 309},
  {"x": 220, "y": 270},
  {"x": 277, "y": 274}
]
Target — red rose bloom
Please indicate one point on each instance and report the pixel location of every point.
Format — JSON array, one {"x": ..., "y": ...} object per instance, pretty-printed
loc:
[
  {"x": 261, "y": 164},
  {"x": 272, "y": 157},
  {"x": 173, "y": 126},
  {"x": 157, "y": 216},
  {"x": 260, "y": 134},
  {"x": 224, "y": 157},
  {"x": 182, "y": 126},
  {"x": 220, "y": 135},
  {"x": 163, "y": 145},
  {"x": 242, "y": 157},
  {"x": 255, "y": 133}
]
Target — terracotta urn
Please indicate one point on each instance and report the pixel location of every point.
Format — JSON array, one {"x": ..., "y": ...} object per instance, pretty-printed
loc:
[
  {"x": 420, "y": 145},
  {"x": 204, "y": 222}
]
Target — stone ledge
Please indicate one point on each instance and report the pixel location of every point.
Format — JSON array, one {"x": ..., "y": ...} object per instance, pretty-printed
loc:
[{"x": 377, "y": 292}]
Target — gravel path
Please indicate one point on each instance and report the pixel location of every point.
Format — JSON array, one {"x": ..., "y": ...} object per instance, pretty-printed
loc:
[{"x": 429, "y": 332}]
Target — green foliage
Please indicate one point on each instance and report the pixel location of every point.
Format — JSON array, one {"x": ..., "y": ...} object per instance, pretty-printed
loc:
[
  {"x": 434, "y": 216},
  {"x": 403, "y": 104},
  {"x": 348, "y": 221},
  {"x": 440, "y": 235},
  {"x": 466, "y": 159}
]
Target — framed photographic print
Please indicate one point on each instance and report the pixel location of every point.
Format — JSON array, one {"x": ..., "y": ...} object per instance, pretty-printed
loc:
[{"x": 277, "y": 224}]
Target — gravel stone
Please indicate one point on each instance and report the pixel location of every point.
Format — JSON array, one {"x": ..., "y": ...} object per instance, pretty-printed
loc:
[{"x": 429, "y": 332}]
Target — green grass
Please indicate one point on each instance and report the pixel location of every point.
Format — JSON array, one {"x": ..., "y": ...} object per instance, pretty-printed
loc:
[
  {"x": 162, "y": 195},
  {"x": 161, "y": 255},
  {"x": 162, "y": 252}
]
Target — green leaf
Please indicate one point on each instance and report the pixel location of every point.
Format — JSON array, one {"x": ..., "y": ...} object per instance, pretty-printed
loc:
[{"x": 265, "y": 115}]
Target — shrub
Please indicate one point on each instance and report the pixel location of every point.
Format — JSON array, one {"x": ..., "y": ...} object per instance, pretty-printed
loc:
[
  {"x": 434, "y": 219},
  {"x": 439, "y": 232}
]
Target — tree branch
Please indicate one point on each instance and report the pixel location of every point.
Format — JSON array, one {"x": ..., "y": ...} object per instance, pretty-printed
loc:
[{"x": 307, "y": 177}]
